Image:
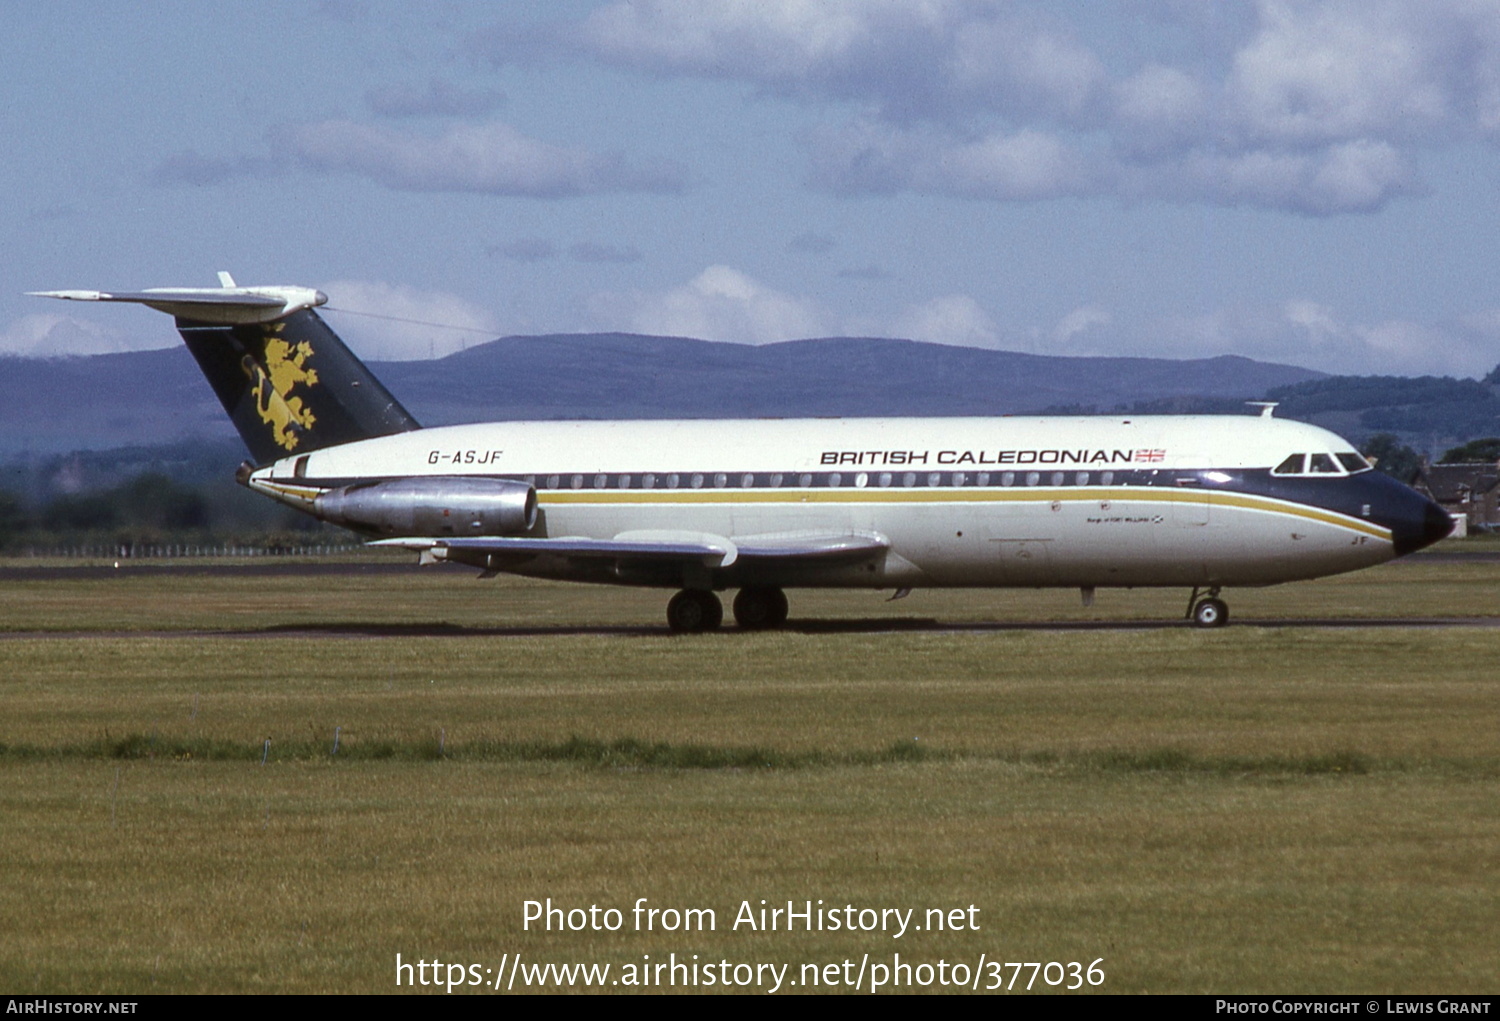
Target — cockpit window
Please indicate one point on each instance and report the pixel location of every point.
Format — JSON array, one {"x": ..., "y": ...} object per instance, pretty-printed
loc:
[{"x": 1322, "y": 464}]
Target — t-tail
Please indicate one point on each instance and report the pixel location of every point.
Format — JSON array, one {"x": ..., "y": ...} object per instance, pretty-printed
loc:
[{"x": 288, "y": 382}]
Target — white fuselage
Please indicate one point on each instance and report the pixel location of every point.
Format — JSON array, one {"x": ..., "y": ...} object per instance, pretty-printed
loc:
[{"x": 1120, "y": 501}]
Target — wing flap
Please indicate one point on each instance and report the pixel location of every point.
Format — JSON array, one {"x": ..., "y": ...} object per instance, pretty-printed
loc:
[{"x": 821, "y": 546}]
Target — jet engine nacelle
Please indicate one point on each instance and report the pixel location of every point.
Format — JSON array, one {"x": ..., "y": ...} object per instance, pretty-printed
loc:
[{"x": 433, "y": 507}]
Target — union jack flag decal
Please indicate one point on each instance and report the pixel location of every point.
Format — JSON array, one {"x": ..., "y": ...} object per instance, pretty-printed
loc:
[{"x": 1150, "y": 455}]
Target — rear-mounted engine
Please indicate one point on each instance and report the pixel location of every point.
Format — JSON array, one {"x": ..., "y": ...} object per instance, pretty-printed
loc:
[{"x": 432, "y": 507}]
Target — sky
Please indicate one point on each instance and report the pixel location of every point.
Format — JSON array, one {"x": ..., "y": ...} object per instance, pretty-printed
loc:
[{"x": 1316, "y": 184}]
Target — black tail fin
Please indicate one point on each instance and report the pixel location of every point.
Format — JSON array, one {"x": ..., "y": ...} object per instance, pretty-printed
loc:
[
  {"x": 286, "y": 379},
  {"x": 291, "y": 385}
]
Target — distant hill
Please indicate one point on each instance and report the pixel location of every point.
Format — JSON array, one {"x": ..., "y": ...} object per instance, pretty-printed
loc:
[
  {"x": 1429, "y": 413},
  {"x": 159, "y": 397}
]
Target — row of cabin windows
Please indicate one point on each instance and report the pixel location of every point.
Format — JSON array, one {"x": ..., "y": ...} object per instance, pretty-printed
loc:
[
  {"x": 778, "y": 480},
  {"x": 1322, "y": 464}
]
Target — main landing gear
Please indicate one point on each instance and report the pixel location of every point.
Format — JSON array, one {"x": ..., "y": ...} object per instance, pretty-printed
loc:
[
  {"x": 693, "y": 610},
  {"x": 756, "y": 608},
  {"x": 1210, "y": 611},
  {"x": 759, "y": 608}
]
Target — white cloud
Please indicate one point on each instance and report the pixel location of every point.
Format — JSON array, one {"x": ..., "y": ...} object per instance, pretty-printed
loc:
[
  {"x": 491, "y": 158},
  {"x": 796, "y": 46},
  {"x": 724, "y": 304},
  {"x": 1160, "y": 109},
  {"x": 1310, "y": 108},
  {"x": 45, "y": 335},
  {"x": 1349, "y": 177},
  {"x": 1016, "y": 68},
  {"x": 720, "y": 304},
  {"x": 1069, "y": 335},
  {"x": 394, "y": 322},
  {"x": 1313, "y": 335},
  {"x": 952, "y": 319},
  {"x": 1338, "y": 71},
  {"x": 872, "y": 157}
]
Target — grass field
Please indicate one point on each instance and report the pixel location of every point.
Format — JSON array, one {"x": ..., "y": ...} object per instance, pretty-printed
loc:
[{"x": 1269, "y": 807}]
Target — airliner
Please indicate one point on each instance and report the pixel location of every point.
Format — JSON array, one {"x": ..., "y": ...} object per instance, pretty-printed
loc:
[{"x": 761, "y": 506}]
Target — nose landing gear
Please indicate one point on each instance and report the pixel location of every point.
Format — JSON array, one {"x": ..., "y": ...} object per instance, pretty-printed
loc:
[{"x": 1210, "y": 611}]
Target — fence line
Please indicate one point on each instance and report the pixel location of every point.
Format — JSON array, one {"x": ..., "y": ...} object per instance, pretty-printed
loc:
[{"x": 144, "y": 551}]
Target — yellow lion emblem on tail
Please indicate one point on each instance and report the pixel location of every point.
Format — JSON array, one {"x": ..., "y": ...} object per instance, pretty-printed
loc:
[{"x": 272, "y": 383}]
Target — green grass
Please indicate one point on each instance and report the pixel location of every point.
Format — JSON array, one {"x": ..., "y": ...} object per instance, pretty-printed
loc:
[{"x": 1257, "y": 809}]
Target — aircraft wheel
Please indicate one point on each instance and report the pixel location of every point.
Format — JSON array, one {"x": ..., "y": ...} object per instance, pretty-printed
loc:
[
  {"x": 759, "y": 609},
  {"x": 693, "y": 610},
  {"x": 1211, "y": 613}
]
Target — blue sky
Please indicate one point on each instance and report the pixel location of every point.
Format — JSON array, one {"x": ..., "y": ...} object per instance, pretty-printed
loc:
[{"x": 1312, "y": 183}]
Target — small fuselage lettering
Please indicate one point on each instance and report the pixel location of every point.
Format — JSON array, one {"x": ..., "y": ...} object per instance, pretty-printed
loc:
[{"x": 463, "y": 456}]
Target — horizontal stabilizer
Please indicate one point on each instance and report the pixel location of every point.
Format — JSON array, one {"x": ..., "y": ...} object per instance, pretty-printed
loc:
[{"x": 227, "y": 306}]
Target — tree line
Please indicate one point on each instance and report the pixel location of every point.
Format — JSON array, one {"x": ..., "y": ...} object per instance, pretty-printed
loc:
[{"x": 153, "y": 510}]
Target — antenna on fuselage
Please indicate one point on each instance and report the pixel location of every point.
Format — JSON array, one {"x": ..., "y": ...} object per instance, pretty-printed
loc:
[{"x": 1266, "y": 407}]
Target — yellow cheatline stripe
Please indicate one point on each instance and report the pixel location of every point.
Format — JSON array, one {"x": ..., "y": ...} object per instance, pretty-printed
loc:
[
  {"x": 298, "y": 492},
  {"x": 635, "y": 498}
]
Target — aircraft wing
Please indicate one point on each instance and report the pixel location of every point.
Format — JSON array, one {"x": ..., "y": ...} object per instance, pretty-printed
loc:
[
  {"x": 708, "y": 550},
  {"x": 706, "y": 553}
]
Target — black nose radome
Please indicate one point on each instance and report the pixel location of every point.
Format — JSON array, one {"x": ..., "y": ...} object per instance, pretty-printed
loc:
[{"x": 1419, "y": 530}]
